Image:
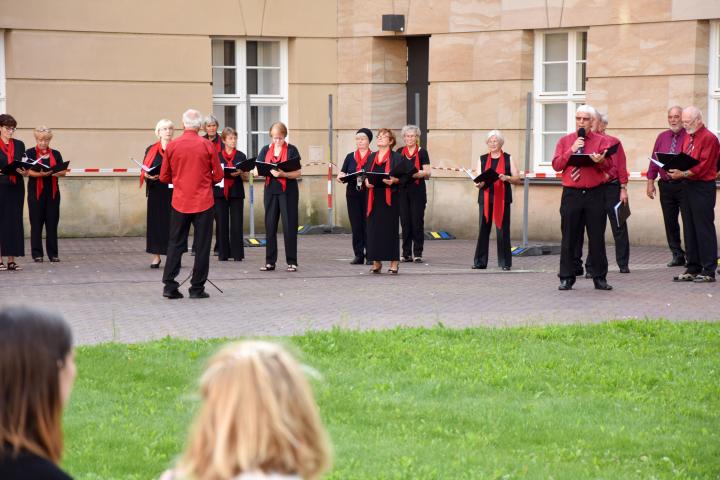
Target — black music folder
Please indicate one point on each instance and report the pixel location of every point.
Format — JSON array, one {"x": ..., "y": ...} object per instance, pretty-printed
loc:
[
  {"x": 229, "y": 171},
  {"x": 674, "y": 161},
  {"x": 622, "y": 212},
  {"x": 489, "y": 176},
  {"x": 290, "y": 165},
  {"x": 11, "y": 168},
  {"x": 584, "y": 159},
  {"x": 351, "y": 177},
  {"x": 247, "y": 165},
  {"x": 59, "y": 167},
  {"x": 376, "y": 178}
]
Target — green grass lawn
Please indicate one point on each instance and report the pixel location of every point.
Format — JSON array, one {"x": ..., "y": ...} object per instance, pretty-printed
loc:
[{"x": 618, "y": 400}]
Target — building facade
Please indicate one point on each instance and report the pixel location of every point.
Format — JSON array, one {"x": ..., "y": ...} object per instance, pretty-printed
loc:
[{"x": 101, "y": 74}]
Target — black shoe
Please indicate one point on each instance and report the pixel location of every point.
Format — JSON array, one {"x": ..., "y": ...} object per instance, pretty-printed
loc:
[
  {"x": 155, "y": 265},
  {"x": 704, "y": 279},
  {"x": 418, "y": 260},
  {"x": 506, "y": 269},
  {"x": 566, "y": 284},
  {"x": 357, "y": 261},
  {"x": 201, "y": 294},
  {"x": 477, "y": 266},
  {"x": 406, "y": 259},
  {"x": 677, "y": 262},
  {"x": 685, "y": 277},
  {"x": 601, "y": 284},
  {"x": 624, "y": 270},
  {"x": 54, "y": 259},
  {"x": 175, "y": 294},
  {"x": 38, "y": 259}
]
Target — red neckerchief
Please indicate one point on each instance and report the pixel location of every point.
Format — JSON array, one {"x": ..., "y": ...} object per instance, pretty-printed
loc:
[
  {"x": 360, "y": 161},
  {"x": 371, "y": 191},
  {"x": 217, "y": 143},
  {"x": 40, "y": 181},
  {"x": 498, "y": 193},
  {"x": 416, "y": 156},
  {"x": 270, "y": 157},
  {"x": 150, "y": 158},
  {"x": 9, "y": 151},
  {"x": 229, "y": 160}
]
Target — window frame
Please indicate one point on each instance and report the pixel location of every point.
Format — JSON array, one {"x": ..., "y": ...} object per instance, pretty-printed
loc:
[
  {"x": 240, "y": 99},
  {"x": 573, "y": 97},
  {"x": 713, "y": 78}
]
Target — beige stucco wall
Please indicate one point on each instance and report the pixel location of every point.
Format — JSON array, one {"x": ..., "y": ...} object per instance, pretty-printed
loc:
[{"x": 102, "y": 77}]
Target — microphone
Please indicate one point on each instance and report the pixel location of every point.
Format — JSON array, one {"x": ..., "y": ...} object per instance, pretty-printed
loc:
[{"x": 581, "y": 134}]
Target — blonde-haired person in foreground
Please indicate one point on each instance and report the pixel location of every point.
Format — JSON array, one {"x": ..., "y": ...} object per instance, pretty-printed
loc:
[{"x": 258, "y": 420}]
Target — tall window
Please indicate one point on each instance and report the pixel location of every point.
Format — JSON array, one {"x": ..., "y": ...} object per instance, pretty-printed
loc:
[
  {"x": 713, "y": 116},
  {"x": 559, "y": 87},
  {"x": 3, "y": 96},
  {"x": 254, "y": 71}
]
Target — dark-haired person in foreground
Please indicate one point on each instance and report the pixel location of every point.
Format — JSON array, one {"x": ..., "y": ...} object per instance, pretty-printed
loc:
[{"x": 37, "y": 372}]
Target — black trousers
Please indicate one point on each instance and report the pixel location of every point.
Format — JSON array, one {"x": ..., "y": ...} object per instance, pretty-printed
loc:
[
  {"x": 412, "y": 220},
  {"x": 620, "y": 234},
  {"x": 580, "y": 206},
  {"x": 357, "y": 206},
  {"x": 671, "y": 194},
  {"x": 283, "y": 206},
  {"x": 229, "y": 228},
  {"x": 504, "y": 252},
  {"x": 44, "y": 213},
  {"x": 179, "y": 228},
  {"x": 698, "y": 208}
]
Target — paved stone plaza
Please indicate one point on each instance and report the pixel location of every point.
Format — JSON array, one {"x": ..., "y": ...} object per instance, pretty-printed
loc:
[{"x": 107, "y": 291}]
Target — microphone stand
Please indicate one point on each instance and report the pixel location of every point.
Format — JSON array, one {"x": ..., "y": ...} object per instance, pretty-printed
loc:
[{"x": 208, "y": 280}]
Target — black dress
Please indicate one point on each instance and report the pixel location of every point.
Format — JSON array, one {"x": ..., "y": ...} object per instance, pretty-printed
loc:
[
  {"x": 279, "y": 204},
  {"x": 504, "y": 252},
  {"x": 356, "y": 200},
  {"x": 413, "y": 199},
  {"x": 12, "y": 201},
  {"x": 383, "y": 222},
  {"x": 159, "y": 198},
  {"x": 28, "y": 466},
  {"x": 229, "y": 214},
  {"x": 43, "y": 209}
]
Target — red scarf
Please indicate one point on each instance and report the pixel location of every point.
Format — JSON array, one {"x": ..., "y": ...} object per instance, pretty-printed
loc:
[
  {"x": 217, "y": 143},
  {"x": 416, "y": 156},
  {"x": 229, "y": 161},
  {"x": 9, "y": 151},
  {"x": 150, "y": 158},
  {"x": 371, "y": 191},
  {"x": 39, "y": 185},
  {"x": 498, "y": 193},
  {"x": 269, "y": 157},
  {"x": 360, "y": 161}
]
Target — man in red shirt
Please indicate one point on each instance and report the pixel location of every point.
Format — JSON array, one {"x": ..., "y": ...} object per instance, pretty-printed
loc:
[
  {"x": 698, "y": 201},
  {"x": 192, "y": 166},
  {"x": 583, "y": 199}
]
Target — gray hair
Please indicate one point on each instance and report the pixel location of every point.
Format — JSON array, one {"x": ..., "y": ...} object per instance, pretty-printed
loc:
[
  {"x": 162, "y": 123},
  {"x": 192, "y": 119},
  {"x": 694, "y": 111},
  {"x": 410, "y": 129},
  {"x": 497, "y": 134},
  {"x": 210, "y": 118},
  {"x": 675, "y": 107},
  {"x": 586, "y": 109},
  {"x": 603, "y": 118}
]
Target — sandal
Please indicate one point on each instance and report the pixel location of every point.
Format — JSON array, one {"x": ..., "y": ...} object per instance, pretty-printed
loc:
[
  {"x": 2, "y": 267},
  {"x": 291, "y": 268},
  {"x": 269, "y": 267},
  {"x": 394, "y": 272},
  {"x": 14, "y": 267}
]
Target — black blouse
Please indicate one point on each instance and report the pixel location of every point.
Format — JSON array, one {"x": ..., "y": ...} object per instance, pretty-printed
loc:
[
  {"x": 350, "y": 166},
  {"x": 275, "y": 187},
  {"x": 17, "y": 156},
  {"x": 237, "y": 190},
  {"x": 28, "y": 466},
  {"x": 47, "y": 181},
  {"x": 424, "y": 160}
]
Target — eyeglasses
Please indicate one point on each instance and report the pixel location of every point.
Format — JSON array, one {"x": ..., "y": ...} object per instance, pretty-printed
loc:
[
  {"x": 580, "y": 119},
  {"x": 9, "y": 129}
]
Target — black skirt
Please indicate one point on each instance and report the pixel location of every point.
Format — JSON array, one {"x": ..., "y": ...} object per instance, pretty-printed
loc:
[
  {"x": 383, "y": 241},
  {"x": 12, "y": 233},
  {"x": 159, "y": 198}
]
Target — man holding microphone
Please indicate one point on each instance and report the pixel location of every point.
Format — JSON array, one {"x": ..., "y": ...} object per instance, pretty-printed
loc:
[{"x": 192, "y": 166}]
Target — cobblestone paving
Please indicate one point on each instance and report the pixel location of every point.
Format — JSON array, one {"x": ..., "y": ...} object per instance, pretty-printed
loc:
[{"x": 106, "y": 289}]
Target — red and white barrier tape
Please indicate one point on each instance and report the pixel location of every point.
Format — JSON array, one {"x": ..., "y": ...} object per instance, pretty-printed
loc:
[{"x": 633, "y": 175}]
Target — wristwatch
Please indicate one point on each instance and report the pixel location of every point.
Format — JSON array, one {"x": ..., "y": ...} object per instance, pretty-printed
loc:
[{"x": 686, "y": 173}]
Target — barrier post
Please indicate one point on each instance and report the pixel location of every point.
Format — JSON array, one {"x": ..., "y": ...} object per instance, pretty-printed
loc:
[
  {"x": 331, "y": 186},
  {"x": 250, "y": 177},
  {"x": 526, "y": 181}
]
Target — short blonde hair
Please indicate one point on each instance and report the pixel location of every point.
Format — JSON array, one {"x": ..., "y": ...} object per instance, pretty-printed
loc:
[
  {"x": 258, "y": 414},
  {"x": 43, "y": 131},
  {"x": 228, "y": 132},
  {"x": 281, "y": 127},
  {"x": 162, "y": 123}
]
